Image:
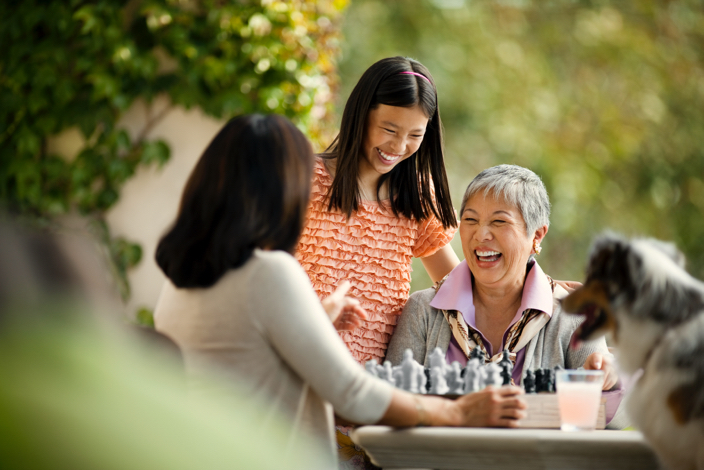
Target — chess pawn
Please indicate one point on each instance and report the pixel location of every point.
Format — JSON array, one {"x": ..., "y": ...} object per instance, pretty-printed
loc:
[
  {"x": 491, "y": 376},
  {"x": 387, "y": 373},
  {"x": 398, "y": 376},
  {"x": 438, "y": 384},
  {"x": 529, "y": 382},
  {"x": 471, "y": 377},
  {"x": 409, "y": 372},
  {"x": 437, "y": 359},
  {"x": 455, "y": 382},
  {"x": 371, "y": 366},
  {"x": 505, "y": 374}
]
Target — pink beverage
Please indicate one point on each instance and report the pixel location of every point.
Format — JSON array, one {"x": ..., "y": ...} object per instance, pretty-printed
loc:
[{"x": 579, "y": 404}]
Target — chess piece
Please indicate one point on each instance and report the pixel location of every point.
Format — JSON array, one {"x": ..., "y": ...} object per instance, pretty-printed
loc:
[
  {"x": 371, "y": 366},
  {"x": 387, "y": 373},
  {"x": 491, "y": 376},
  {"x": 539, "y": 381},
  {"x": 506, "y": 362},
  {"x": 529, "y": 382},
  {"x": 549, "y": 376},
  {"x": 456, "y": 382},
  {"x": 471, "y": 377},
  {"x": 438, "y": 384},
  {"x": 409, "y": 373},
  {"x": 437, "y": 359},
  {"x": 481, "y": 375},
  {"x": 554, "y": 383},
  {"x": 479, "y": 354},
  {"x": 505, "y": 374},
  {"x": 421, "y": 378}
]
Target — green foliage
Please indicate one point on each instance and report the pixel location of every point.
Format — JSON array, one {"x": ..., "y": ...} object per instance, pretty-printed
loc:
[
  {"x": 145, "y": 317},
  {"x": 604, "y": 99},
  {"x": 80, "y": 65}
]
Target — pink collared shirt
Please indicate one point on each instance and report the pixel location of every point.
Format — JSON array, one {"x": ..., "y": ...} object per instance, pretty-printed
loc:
[{"x": 456, "y": 294}]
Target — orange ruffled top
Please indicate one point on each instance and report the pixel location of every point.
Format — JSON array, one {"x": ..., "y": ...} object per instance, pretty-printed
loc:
[{"x": 373, "y": 250}]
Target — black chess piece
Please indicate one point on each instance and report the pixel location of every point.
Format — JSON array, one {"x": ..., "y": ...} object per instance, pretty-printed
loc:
[
  {"x": 540, "y": 381},
  {"x": 505, "y": 360},
  {"x": 505, "y": 374},
  {"x": 529, "y": 382},
  {"x": 475, "y": 352},
  {"x": 549, "y": 380},
  {"x": 556, "y": 369}
]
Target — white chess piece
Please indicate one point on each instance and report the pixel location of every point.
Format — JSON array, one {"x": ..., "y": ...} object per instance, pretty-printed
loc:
[
  {"x": 437, "y": 359},
  {"x": 409, "y": 371},
  {"x": 455, "y": 382},
  {"x": 471, "y": 377},
  {"x": 492, "y": 374},
  {"x": 387, "y": 373},
  {"x": 438, "y": 384},
  {"x": 422, "y": 378}
]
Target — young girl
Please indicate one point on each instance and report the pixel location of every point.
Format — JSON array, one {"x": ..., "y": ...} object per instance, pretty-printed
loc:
[{"x": 380, "y": 198}]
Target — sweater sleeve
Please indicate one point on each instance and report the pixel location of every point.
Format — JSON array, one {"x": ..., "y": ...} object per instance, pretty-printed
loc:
[
  {"x": 411, "y": 331},
  {"x": 292, "y": 318}
]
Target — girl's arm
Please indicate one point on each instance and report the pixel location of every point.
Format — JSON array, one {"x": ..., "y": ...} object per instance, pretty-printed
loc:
[{"x": 440, "y": 263}]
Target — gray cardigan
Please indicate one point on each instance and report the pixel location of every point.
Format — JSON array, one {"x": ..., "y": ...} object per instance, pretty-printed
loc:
[{"x": 422, "y": 328}]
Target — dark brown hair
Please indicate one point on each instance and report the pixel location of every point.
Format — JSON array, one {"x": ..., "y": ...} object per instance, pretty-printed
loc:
[
  {"x": 409, "y": 181},
  {"x": 250, "y": 189}
]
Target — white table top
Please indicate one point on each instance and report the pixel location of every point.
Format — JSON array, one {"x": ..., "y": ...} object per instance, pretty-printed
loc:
[{"x": 496, "y": 449}]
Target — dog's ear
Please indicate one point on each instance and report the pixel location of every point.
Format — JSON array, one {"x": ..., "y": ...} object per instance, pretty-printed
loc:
[{"x": 668, "y": 249}]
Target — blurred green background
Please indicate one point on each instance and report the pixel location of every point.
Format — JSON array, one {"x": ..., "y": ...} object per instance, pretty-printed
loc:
[{"x": 603, "y": 99}]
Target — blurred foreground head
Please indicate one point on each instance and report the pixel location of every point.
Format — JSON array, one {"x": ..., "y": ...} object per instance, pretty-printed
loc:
[
  {"x": 78, "y": 390},
  {"x": 250, "y": 189}
]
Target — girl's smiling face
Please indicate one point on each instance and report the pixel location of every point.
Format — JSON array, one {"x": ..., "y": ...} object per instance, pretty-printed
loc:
[
  {"x": 494, "y": 241},
  {"x": 393, "y": 134}
]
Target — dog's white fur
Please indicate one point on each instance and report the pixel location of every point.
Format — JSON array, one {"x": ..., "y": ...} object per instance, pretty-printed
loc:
[{"x": 647, "y": 339}]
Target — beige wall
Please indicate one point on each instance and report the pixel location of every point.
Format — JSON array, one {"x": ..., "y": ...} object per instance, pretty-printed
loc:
[{"x": 150, "y": 199}]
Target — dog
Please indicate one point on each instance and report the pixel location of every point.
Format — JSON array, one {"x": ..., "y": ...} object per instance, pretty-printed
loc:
[{"x": 638, "y": 291}]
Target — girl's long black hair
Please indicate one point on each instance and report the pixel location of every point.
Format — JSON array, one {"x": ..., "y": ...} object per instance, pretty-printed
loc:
[{"x": 410, "y": 180}]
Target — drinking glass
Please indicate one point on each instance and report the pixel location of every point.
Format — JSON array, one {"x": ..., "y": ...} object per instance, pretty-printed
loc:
[{"x": 579, "y": 397}]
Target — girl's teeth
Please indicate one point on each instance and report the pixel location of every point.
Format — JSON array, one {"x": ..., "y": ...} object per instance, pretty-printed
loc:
[{"x": 387, "y": 157}]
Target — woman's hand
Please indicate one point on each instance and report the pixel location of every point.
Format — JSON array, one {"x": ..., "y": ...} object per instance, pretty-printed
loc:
[
  {"x": 492, "y": 407},
  {"x": 344, "y": 312},
  {"x": 598, "y": 361}
]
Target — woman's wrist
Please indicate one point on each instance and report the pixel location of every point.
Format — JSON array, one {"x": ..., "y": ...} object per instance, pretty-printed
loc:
[{"x": 421, "y": 412}]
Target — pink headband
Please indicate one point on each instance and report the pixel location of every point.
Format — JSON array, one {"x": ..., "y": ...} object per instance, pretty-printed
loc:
[{"x": 418, "y": 75}]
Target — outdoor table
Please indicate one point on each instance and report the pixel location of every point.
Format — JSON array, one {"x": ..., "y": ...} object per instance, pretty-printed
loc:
[{"x": 496, "y": 449}]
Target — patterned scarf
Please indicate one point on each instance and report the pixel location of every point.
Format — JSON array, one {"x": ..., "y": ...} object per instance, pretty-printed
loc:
[{"x": 520, "y": 333}]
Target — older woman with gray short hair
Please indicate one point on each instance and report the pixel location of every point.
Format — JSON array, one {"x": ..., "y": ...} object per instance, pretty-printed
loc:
[{"x": 500, "y": 299}]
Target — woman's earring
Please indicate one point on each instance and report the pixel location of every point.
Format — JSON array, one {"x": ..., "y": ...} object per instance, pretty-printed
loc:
[{"x": 536, "y": 246}]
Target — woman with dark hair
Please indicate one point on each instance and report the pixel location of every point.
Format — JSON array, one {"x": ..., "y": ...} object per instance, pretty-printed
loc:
[{"x": 238, "y": 304}]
